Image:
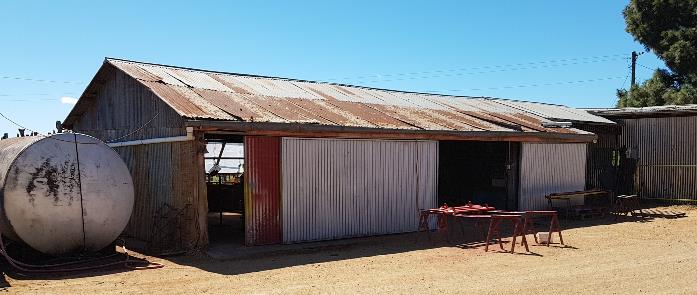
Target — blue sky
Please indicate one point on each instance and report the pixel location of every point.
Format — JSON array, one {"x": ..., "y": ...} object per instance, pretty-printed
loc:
[{"x": 525, "y": 50}]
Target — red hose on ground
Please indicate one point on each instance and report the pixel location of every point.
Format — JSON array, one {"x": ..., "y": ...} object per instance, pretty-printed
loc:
[{"x": 61, "y": 267}]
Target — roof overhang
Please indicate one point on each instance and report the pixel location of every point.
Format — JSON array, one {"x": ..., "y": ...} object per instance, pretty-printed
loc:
[
  {"x": 323, "y": 131},
  {"x": 646, "y": 112}
]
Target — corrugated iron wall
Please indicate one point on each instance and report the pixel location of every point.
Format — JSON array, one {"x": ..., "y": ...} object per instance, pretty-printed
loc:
[
  {"x": 550, "y": 168},
  {"x": 667, "y": 161},
  {"x": 599, "y": 171},
  {"x": 168, "y": 195},
  {"x": 340, "y": 188},
  {"x": 262, "y": 190},
  {"x": 170, "y": 200},
  {"x": 122, "y": 106}
]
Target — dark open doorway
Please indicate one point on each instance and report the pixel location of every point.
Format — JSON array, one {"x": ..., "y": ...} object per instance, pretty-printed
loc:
[
  {"x": 480, "y": 172},
  {"x": 224, "y": 164}
]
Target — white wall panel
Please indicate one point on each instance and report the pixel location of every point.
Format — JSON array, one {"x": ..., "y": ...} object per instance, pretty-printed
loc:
[
  {"x": 550, "y": 168},
  {"x": 340, "y": 188}
]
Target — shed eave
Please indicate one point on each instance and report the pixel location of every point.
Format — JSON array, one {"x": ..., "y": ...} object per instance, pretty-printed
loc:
[
  {"x": 316, "y": 130},
  {"x": 638, "y": 115}
]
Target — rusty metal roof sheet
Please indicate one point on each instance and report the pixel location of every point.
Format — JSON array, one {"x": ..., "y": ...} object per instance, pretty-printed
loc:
[
  {"x": 162, "y": 73},
  {"x": 555, "y": 112},
  {"x": 654, "y": 111},
  {"x": 238, "y": 106},
  {"x": 198, "y": 80},
  {"x": 198, "y": 94},
  {"x": 138, "y": 72}
]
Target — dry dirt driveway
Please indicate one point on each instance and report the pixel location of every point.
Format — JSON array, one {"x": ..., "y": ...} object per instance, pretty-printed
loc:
[{"x": 603, "y": 257}]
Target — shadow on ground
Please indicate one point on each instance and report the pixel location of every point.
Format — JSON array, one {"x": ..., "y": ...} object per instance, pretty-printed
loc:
[
  {"x": 24, "y": 254},
  {"x": 3, "y": 282},
  {"x": 234, "y": 258},
  {"x": 238, "y": 259}
]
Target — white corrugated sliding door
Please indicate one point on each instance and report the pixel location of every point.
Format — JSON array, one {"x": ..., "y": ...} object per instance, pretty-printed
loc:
[
  {"x": 550, "y": 168},
  {"x": 340, "y": 188}
]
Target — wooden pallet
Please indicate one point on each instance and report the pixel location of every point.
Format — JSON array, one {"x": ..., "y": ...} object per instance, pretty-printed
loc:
[{"x": 655, "y": 213}]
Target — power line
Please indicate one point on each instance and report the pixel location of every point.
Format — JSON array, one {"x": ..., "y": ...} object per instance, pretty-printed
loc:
[
  {"x": 484, "y": 67},
  {"x": 19, "y": 125},
  {"x": 5, "y": 97},
  {"x": 27, "y": 94},
  {"x": 28, "y": 100},
  {"x": 491, "y": 71},
  {"x": 627, "y": 77},
  {"x": 38, "y": 80},
  {"x": 481, "y": 67},
  {"x": 645, "y": 67},
  {"x": 537, "y": 84},
  {"x": 134, "y": 131},
  {"x": 625, "y": 81},
  {"x": 105, "y": 141},
  {"x": 38, "y": 94}
]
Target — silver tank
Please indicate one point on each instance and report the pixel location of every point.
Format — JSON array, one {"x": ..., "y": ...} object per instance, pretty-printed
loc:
[{"x": 63, "y": 193}]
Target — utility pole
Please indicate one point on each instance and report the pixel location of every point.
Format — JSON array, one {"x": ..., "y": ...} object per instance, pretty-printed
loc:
[{"x": 634, "y": 56}]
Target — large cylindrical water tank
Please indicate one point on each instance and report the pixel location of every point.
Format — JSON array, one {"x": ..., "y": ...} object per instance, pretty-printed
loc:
[{"x": 63, "y": 193}]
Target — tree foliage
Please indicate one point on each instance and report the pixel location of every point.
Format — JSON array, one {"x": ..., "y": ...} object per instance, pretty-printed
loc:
[{"x": 669, "y": 29}]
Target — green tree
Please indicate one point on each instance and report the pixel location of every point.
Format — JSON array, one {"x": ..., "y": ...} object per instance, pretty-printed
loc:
[{"x": 669, "y": 29}]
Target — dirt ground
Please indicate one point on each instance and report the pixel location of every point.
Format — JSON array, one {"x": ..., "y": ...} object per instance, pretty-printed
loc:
[{"x": 657, "y": 256}]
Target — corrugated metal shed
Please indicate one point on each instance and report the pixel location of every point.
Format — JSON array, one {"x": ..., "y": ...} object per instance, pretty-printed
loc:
[
  {"x": 206, "y": 95},
  {"x": 550, "y": 168},
  {"x": 664, "y": 148},
  {"x": 338, "y": 188},
  {"x": 661, "y": 139},
  {"x": 168, "y": 183}
]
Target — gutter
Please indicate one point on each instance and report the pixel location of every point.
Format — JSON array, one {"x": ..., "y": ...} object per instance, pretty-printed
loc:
[{"x": 188, "y": 137}]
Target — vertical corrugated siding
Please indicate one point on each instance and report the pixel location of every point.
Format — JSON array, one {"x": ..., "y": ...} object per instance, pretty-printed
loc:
[
  {"x": 667, "y": 162},
  {"x": 550, "y": 168},
  {"x": 124, "y": 105},
  {"x": 167, "y": 194},
  {"x": 600, "y": 155},
  {"x": 339, "y": 188},
  {"x": 262, "y": 190}
]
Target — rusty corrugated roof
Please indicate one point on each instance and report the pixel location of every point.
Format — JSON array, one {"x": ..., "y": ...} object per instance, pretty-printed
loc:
[
  {"x": 199, "y": 94},
  {"x": 556, "y": 112},
  {"x": 653, "y": 111}
]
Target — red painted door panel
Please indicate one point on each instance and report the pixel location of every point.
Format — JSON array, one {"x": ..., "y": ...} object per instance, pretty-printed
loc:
[{"x": 262, "y": 190}]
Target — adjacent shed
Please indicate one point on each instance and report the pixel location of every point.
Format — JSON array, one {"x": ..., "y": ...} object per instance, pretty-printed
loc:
[
  {"x": 660, "y": 140},
  {"x": 316, "y": 161}
]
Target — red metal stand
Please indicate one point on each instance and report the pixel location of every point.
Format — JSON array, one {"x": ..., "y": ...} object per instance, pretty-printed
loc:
[
  {"x": 553, "y": 224},
  {"x": 495, "y": 230},
  {"x": 442, "y": 221}
]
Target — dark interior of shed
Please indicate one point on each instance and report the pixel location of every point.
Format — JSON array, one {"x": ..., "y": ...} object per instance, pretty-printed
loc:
[
  {"x": 225, "y": 186},
  {"x": 478, "y": 172}
]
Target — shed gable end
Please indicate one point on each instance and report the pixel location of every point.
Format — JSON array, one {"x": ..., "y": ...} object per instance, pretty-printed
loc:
[{"x": 121, "y": 105}]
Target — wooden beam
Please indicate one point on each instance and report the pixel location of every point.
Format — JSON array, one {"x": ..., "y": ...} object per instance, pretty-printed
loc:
[{"x": 325, "y": 131}]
